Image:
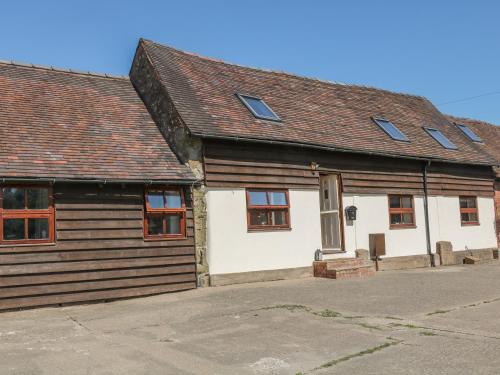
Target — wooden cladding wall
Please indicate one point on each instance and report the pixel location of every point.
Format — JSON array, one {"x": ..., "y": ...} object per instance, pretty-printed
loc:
[
  {"x": 236, "y": 165},
  {"x": 249, "y": 165},
  {"x": 99, "y": 254}
]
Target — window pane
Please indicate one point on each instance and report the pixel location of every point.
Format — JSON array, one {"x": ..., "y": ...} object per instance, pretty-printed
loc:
[
  {"x": 406, "y": 201},
  {"x": 441, "y": 138},
  {"x": 259, "y": 107},
  {"x": 13, "y": 198},
  {"x": 391, "y": 129},
  {"x": 259, "y": 217},
  {"x": 467, "y": 202},
  {"x": 173, "y": 199},
  {"x": 155, "y": 200},
  {"x": 470, "y": 217},
  {"x": 38, "y": 229},
  {"x": 173, "y": 224},
  {"x": 394, "y": 201},
  {"x": 278, "y": 218},
  {"x": 395, "y": 219},
  {"x": 407, "y": 218},
  {"x": 473, "y": 136},
  {"x": 38, "y": 199},
  {"x": 258, "y": 198},
  {"x": 155, "y": 224},
  {"x": 277, "y": 198},
  {"x": 13, "y": 229}
]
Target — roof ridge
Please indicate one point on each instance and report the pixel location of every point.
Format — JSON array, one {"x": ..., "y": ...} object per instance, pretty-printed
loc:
[
  {"x": 62, "y": 70},
  {"x": 471, "y": 119},
  {"x": 282, "y": 72}
]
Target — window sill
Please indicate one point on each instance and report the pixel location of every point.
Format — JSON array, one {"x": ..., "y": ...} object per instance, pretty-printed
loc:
[
  {"x": 327, "y": 252},
  {"x": 402, "y": 227},
  {"x": 471, "y": 224},
  {"x": 6, "y": 245},
  {"x": 251, "y": 230},
  {"x": 164, "y": 239}
]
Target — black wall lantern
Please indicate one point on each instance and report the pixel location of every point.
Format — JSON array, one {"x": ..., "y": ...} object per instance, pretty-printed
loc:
[{"x": 350, "y": 212}]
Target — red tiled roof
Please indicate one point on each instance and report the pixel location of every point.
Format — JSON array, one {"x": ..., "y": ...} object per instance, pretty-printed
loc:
[
  {"x": 313, "y": 112},
  {"x": 58, "y": 124},
  {"x": 489, "y": 133}
]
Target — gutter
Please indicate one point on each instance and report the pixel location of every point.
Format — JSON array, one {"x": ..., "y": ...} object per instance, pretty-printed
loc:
[
  {"x": 98, "y": 181},
  {"x": 330, "y": 148},
  {"x": 426, "y": 214}
]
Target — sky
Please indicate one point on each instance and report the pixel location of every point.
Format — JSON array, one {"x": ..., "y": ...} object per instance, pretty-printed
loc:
[{"x": 447, "y": 51}]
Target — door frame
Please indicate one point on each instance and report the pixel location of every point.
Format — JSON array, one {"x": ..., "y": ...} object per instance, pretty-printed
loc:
[{"x": 341, "y": 212}]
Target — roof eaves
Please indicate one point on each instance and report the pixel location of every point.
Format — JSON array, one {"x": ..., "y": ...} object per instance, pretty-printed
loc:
[{"x": 338, "y": 149}]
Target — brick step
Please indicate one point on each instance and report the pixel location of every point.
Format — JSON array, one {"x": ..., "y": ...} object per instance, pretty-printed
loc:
[
  {"x": 345, "y": 262},
  {"x": 347, "y": 268}
]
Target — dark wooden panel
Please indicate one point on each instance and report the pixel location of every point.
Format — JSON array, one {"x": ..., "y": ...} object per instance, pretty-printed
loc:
[
  {"x": 11, "y": 303},
  {"x": 100, "y": 252},
  {"x": 95, "y": 275},
  {"x": 93, "y": 285},
  {"x": 238, "y": 165}
]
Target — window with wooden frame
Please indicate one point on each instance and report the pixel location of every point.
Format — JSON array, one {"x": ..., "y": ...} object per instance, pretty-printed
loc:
[
  {"x": 268, "y": 209},
  {"x": 26, "y": 215},
  {"x": 165, "y": 215},
  {"x": 468, "y": 211},
  {"x": 401, "y": 211}
]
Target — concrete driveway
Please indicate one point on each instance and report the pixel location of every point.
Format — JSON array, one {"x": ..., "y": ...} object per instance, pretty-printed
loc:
[{"x": 429, "y": 321}]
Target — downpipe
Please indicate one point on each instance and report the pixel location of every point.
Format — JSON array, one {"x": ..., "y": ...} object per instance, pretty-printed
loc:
[{"x": 426, "y": 214}]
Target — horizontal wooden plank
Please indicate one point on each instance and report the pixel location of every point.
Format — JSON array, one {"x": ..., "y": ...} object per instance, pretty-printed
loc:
[
  {"x": 94, "y": 275},
  {"x": 95, "y": 204},
  {"x": 93, "y": 214},
  {"x": 98, "y": 224},
  {"x": 10, "y": 303},
  {"x": 98, "y": 234},
  {"x": 98, "y": 245},
  {"x": 259, "y": 171},
  {"x": 382, "y": 177},
  {"x": 382, "y": 184},
  {"x": 374, "y": 190},
  {"x": 261, "y": 179},
  {"x": 209, "y": 161},
  {"x": 239, "y": 185},
  {"x": 460, "y": 181},
  {"x": 65, "y": 256},
  {"x": 437, "y": 186},
  {"x": 93, "y": 265},
  {"x": 45, "y": 289},
  {"x": 456, "y": 193}
]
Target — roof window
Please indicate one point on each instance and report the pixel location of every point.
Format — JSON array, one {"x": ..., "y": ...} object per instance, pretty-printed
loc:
[
  {"x": 391, "y": 130},
  {"x": 441, "y": 138},
  {"x": 469, "y": 133},
  {"x": 258, "y": 107}
]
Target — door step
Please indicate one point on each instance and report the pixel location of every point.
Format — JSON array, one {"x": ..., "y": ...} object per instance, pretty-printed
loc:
[{"x": 345, "y": 268}]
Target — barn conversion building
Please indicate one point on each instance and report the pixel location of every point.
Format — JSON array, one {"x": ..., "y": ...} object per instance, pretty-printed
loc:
[
  {"x": 488, "y": 135},
  {"x": 93, "y": 203},
  {"x": 194, "y": 171},
  {"x": 294, "y": 167}
]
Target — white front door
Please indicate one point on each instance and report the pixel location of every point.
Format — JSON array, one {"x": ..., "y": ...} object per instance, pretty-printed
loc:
[{"x": 330, "y": 211}]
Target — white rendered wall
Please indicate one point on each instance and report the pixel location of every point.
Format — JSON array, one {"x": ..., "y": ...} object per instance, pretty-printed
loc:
[
  {"x": 231, "y": 248},
  {"x": 373, "y": 217},
  {"x": 444, "y": 215}
]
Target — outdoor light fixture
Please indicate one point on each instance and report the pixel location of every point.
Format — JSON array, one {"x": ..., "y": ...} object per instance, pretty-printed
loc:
[{"x": 350, "y": 212}]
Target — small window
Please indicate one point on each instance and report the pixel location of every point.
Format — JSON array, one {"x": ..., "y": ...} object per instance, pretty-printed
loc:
[
  {"x": 26, "y": 215},
  {"x": 468, "y": 211},
  {"x": 401, "y": 211},
  {"x": 469, "y": 133},
  {"x": 441, "y": 138},
  {"x": 165, "y": 214},
  {"x": 258, "y": 107},
  {"x": 391, "y": 130},
  {"x": 268, "y": 209}
]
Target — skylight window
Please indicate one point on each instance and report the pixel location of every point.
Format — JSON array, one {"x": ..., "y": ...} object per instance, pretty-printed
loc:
[
  {"x": 441, "y": 138},
  {"x": 391, "y": 130},
  {"x": 469, "y": 133},
  {"x": 258, "y": 107}
]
